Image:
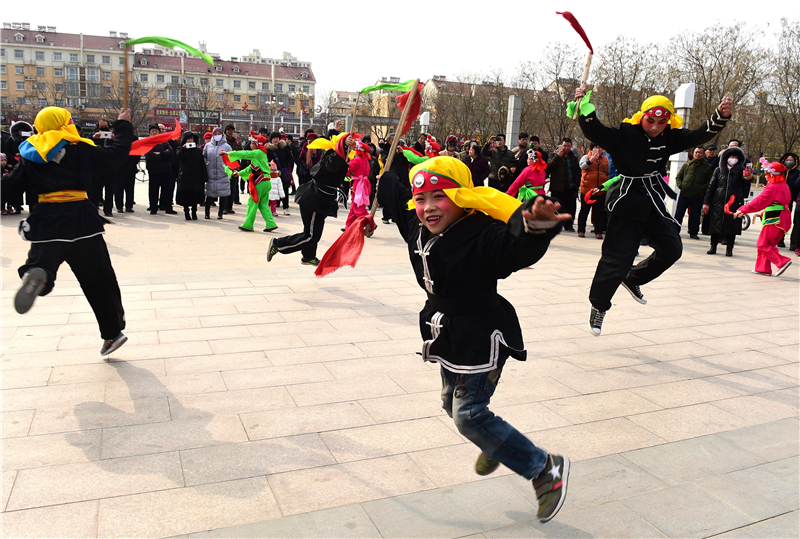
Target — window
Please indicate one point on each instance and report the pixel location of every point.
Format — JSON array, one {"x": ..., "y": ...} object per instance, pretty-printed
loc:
[
  {"x": 106, "y": 59},
  {"x": 122, "y": 76},
  {"x": 160, "y": 94},
  {"x": 121, "y": 60},
  {"x": 73, "y": 88},
  {"x": 251, "y": 85},
  {"x": 72, "y": 73},
  {"x": 59, "y": 102},
  {"x": 2, "y": 68},
  {"x": 237, "y": 84},
  {"x": 265, "y": 86},
  {"x": 278, "y": 87},
  {"x": 56, "y": 56},
  {"x": 174, "y": 79},
  {"x": 235, "y": 69},
  {"x": 42, "y": 102},
  {"x": 93, "y": 90},
  {"x": 19, "y": 70},
  {"x": 291, "y": 87},
  {"x": 39, "y": 39},
  {"x": 92, "y": 74},
  {"x": 237, "y": 98},
  {"x": 203, "y": 82},
  {"x": 220, "y": 82},
  {"x": 252, "y": 99},
  {"x": 2, "y": 53},
  {"x": 20, "y": 101},
  {"x": 73, "y": 57},
  {"x": 39, "y": 55},
  {"x": 59, "y": 86},
  {"x": 144, "y": 77},
  {"x": 40, "y": 72},
  {"x": 172, "y": 95},
  {"x": 143, "y": 62},
  {"x": 90, "y": 58},
  {"x": 306, "y": 89},
  {"x": 142, "y": 92},
  {"x": 106, "y": 75},
  {"x": 189, "y": 80},
  {"x": 305, "y": 103},
  {"x": 58, "y": 72},
  {"x": 159, "y": 78},
  {"x": 107, "y": 90},
  {"x": 193, "y": 93},
  {"x": 21, "y": 85},
  {"x": 18, "y": 54},
  {"x": 291, "y": 102},
  {"x": 20, "y": 37},
  {"x": 220, "y": 97},
  {"x": 73, "y": 102},
  {"x": 41, "y": 86},
  {"x": 3, "y": 85}
]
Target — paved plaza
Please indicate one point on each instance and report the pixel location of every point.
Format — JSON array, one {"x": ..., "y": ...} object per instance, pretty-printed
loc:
[{"x": 255, "y": 400}]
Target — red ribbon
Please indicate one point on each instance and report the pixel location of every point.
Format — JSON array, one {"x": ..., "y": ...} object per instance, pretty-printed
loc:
[
  {"x": 142, "y": 146},
  {"x": 577, "y": 26}
]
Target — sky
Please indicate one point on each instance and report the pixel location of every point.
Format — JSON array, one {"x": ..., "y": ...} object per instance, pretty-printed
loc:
[{"x": 352, "y": 48}]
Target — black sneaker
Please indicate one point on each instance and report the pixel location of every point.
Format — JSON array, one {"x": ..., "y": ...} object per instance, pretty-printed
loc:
[
  {"x": 112, "y": 344},
  {"x": 170, "y": 212},
  {"x": 551, "y": 486},
  {"x": 270, "y": 229},
  {"x": 485, "y": 464},
  {"x": 310, "y": 262},
  {"x": 596, "y": 321},
  {"x": 243, "y": 229},
  {"x": 129, "y": 210},
  {"x": 635, "y": 291},
  {"x": 32, "y": 284},
  {"x": 271, "y": 250},
  {"x": 385, "y": 221}
]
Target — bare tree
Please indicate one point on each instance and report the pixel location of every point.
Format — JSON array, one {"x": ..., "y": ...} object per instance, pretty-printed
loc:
[
  {"x": 141, "y": 100},
  {"x": 783, "y": 84}
]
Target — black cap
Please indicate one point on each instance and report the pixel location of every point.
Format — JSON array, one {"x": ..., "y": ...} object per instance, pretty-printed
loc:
[
  {"x": 230, "y": 126},
  {"x": 711, "y": 146},
  {"x": 153, "y": 126}
]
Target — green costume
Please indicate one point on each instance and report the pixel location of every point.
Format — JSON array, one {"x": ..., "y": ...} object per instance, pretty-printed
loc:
[{"x": 262, "y": 188}]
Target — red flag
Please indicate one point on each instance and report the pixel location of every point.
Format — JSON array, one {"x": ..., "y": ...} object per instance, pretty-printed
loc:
[
  {"x": 142, "y": 146},
  {"x": 413, "y": 112},
  {"x": 346, "y": 250},
  {"x": 577, "y": 26},
  {"x": 233, "y": 165}
]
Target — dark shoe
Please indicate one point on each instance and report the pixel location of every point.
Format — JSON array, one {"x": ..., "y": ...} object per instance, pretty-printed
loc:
[
  {"x": 270, "y": 229},
  {"x": 237, "y": 203},
  {"x": 781, "y": 243},
  {"x": 385, "y": 221},
  {"x": 551, "y": 486},
  {"x": 149, "y": 209},
  {"x": 108, "y": 214},
  {"x": 569, "y": 229},
  {"x": 695, "y": 237},
  {"x": 635, "y": 291},
  {"x": 724, "y": 242},
  {"x": 32, "y": 284},
  {"x": 170, "y": 212},
  {"x": 120, "y": 210},
  {"x": 129, "y": 210},
  {"x": 343, "y": 229},
  {"x": 219, "y": 216},
  {"x": 581, "y": 234},
  {"x": 783, "y": 268},
  {"x": 153, "y": 212},
  {"x": 712, "y": 250},
  {"x": 230, "y": 211},
  {"x": 186, "y": 214},
  {"x": 310, "y": 262},
  {"x": 729, "y": 251},
  {"x": 245, "y": 229},
  {"x": 194, "y": 215},
  {"x": 271, "y": 250},
  {"x": 113, "y": 344},
  {"x": 485, "y": 464},
  {"x": 208, "y": 212},
  {"x": 596, "y": 321}
]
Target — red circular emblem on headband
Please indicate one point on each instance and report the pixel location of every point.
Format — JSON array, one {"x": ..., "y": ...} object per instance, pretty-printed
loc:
[
  {"x": 425, "y": 180},
  {"x": 658, "y": 112}
]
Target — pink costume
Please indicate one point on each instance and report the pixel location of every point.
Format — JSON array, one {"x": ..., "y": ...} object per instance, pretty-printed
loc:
[
  {"x": 360, "y": 188},
  {"x": 776, "y": 222},
  {"x": 535, "y": 177}
]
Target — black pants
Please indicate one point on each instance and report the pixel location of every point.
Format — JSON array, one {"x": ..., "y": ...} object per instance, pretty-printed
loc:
[
  {"x": 619, "y": 251},
  {"x": 568, "y": 202},
  {"x": 123, "y": 191},
  {"x": 161, "y": 190},
  {"x": 306, "y": 241},
  {"x": 89, "y": 261},
  {"x": 223, "y": 203},
  {"x": 599, "y": 212},
  {"x": 286, "y": 175},
  {"x": 730, "y": 239},
  {"x": 695, "y": 207},
  {"x": 234, "y": 194}
]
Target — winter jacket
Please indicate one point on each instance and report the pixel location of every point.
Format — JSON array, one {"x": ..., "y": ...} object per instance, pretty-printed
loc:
[
  {"x": 726, "y": 183},
  {"x": 159, "y": 167},
  {"x": 219, "y": 185},
  {"x": 276, "y": 192},
  {"x": 593, "y": 174},
  {"x": 557, "y": 169},
  {"x": 497, "y": 159},
  {"x": 282, "y": 153},
  {"x": 693, "y": 178},
  {"x": 192, "y": 172},
  {"x": 479, "y": 167},
  {"x": 792, "y": 175}
]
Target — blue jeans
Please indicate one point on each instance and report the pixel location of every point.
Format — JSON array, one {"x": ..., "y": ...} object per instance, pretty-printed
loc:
[{"x": 465, "y": 398}]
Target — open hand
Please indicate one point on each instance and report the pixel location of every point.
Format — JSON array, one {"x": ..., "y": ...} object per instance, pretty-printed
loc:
[{"x": 545, "y": 210}]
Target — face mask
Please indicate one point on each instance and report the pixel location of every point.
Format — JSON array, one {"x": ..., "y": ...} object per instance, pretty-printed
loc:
[
  {"x": 732, "y": 161},
  {"x": 789, "y": 163},
  {"x": 217, "y": 137}
]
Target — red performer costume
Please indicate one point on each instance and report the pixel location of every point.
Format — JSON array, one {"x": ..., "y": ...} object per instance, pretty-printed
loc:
[
  {"x": 776, "y": 221},
  {"x": 360, "y": 186},
  {"x": 531, "y": 181}
]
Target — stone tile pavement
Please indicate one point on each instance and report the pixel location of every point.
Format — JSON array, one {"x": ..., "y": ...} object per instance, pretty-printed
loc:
[{"x": 255, "y": 400}]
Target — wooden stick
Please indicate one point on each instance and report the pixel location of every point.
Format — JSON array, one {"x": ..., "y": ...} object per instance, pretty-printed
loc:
[
  {"x": 583, "y": 82},
  {"x": 393, "y": 148},
  {"x": 353, "y": 114},
  {"x": 125, "y": 82}
]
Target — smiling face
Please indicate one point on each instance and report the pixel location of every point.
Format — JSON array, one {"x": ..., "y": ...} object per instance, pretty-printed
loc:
[
  {"x": 654, "y": 126},
  {"x": 436, "y": 211}
]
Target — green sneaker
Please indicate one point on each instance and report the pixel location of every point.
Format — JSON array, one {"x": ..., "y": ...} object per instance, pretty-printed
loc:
[
  {"x": 271, "y": 250},
  {"x": 310, "y": 262},
  {"x": 485, "y": 464},
  {"x": 551, "y": 486}
]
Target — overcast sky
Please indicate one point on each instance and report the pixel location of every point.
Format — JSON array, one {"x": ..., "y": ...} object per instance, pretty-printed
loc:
[{"x": 351, "y": 45}]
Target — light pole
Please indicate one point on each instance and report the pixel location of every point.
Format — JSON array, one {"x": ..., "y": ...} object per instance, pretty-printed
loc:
[
  {"x": 302, "y": 97},
  {"x": 274, "y": 104}
]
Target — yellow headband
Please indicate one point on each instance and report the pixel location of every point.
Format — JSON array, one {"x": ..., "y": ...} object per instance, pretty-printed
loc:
[
  {"x": 675, "y": 121},
  {"x": 54, "y": 124},
  {"x": 489, "y": 200}
]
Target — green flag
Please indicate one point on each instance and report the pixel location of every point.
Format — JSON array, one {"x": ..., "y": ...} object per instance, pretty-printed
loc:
[
  {"x": 392, "y": 87},
  {"x": 170, "y": 43}
]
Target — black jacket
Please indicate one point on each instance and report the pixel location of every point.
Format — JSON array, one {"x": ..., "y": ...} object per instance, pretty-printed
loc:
[
  {"x": 159, "y": 167},
  {"x": 67, "y": 221},
  {"x": 497, "y": 158},
  {"x": 192, "y": 171},
  {"x": 466, "y": 325},
  {"x": 726, "y": 183},
  {"x": 557, "y": 170},
  {"x": 319, "y": 195}
]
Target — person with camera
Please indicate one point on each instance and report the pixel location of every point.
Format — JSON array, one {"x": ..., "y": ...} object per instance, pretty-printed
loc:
[
  {"x": 498, "y": 154},
  {"x": 192, "y": 175},
  {"x": 103, "y": 185},
  {"x": 565, "y": 178},
  {"x": 159, "y": 172}
]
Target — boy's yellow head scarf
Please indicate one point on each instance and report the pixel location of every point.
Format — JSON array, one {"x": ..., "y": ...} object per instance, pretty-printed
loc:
[
  {"x": 652, "y": 102},
  {"x": 54, "y": 124},
  {"x": 455, "y": 179}
]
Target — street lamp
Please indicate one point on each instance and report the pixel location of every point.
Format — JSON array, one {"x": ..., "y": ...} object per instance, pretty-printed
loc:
[
  {"x": 274, "y": 104},
  {"x": 302, "y": 97}
]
